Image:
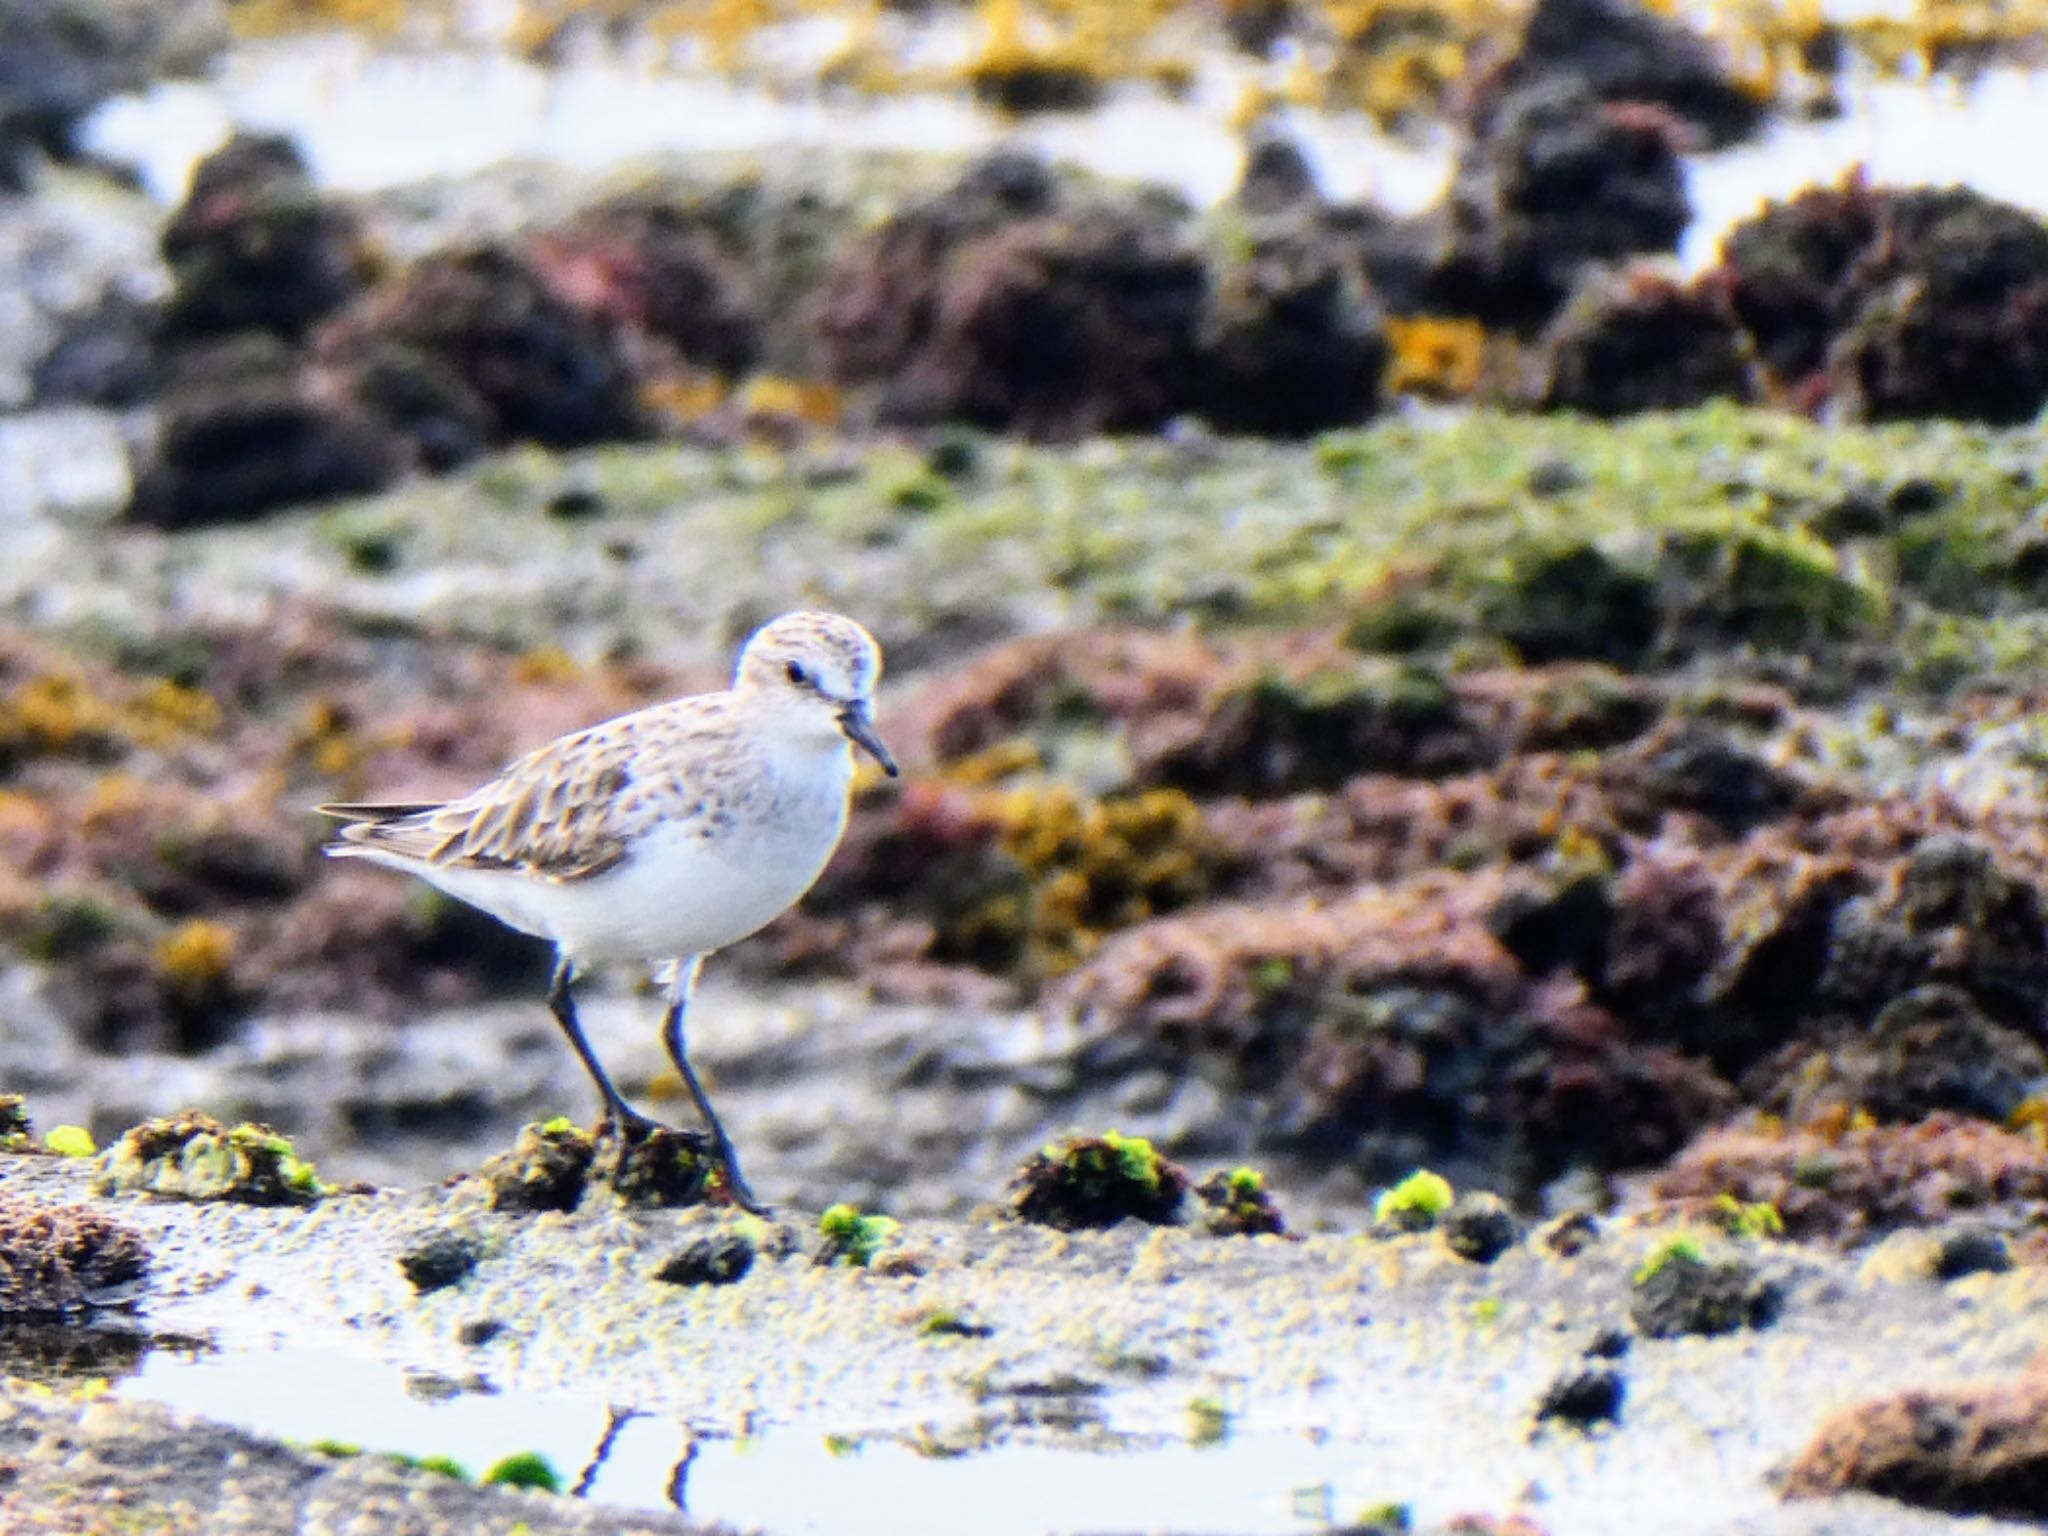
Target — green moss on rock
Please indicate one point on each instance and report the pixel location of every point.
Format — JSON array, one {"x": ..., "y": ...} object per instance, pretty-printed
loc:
[
  {"x": 1097, "y": 1181},
  {"x": 192, "y": 1156},
  {"x": 546, "y": 1170}
]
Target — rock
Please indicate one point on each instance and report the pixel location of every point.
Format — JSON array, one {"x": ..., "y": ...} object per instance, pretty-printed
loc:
[
  {"x": 1970, "y": 1248},
  {"x": 63, "y": 1261},
  {"x": 1681, "y": 1292},
  {"x": 1556, "y": 181},
  {"x": 1574, "y": 601},
  {"x": 1571, "y": 1234},
  {"x": 1561, "y": 929},
  {"x": 1952, "y": 915},
  {"x": 1954, "y": 322},
  {"x": 1062, "y": 327},
  {"x": 1238, "y": 1204},
  {"x": 1277, "y": 179},
  {"x": 660, "y": 273},
  {"x": 1970, "y": 1450},
  {"x": 79, "y": 266},
  {"x": 546, "y": 370},
  {"x": 1292, "y": 344},
  {"x": 1480, "y": 1228},
  {"x": 1275, "y": 735},
  {"x": 1635, "y": 340},
  {"x": 1930, "y": 1049},
  {"x": 1019, "y": 82},
  {"x": 256, "y": 246},
  {"x": 1097, "y": 1181},
  {"x": 60, "y": 58},
  {"x": 1622, "y": 51},
  {"x": 192, "y": 1156},
  {"x": 1583, "y": 1397},
  {"x": 246, "y": 429},
  {"x": 1897, "y": 303},
  {"x": 1696, "y": 767},
  {"x": 876, "y": 304},
  {"x": 105, "y": 356},
  {"x": 663, "y": 1168},
  {"x": 1017, "y": 301},
  {"x": 1608, "y": 1344},
  {"x": 709, "y": 1261},
  {"x": 545, "y": 1170},
  {"x": 419, "y": 395},
  {"x": 1866, "y": 1180},
  {"x": 1786, "y": 271},
  {"x": 438, "y": 1259}
]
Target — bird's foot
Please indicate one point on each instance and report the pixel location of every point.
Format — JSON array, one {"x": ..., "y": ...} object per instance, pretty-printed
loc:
[{"x": 739, "y": 1194}]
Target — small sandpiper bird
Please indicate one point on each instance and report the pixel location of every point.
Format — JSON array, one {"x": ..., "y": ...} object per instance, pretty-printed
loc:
[{"x": 660, "y": 836}]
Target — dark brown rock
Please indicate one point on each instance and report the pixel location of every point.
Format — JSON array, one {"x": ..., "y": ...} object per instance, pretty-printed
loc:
[{"x": 1969, "y": 1450}]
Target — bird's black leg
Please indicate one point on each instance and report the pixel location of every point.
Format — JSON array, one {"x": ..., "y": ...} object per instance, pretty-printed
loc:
[
  {"x": 628, "y": 1121},
  {"x": 678, "y": 1052}
]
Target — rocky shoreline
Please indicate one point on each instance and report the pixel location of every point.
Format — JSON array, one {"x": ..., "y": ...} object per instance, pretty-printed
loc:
[
  {"x": 1390, "y": 702},
  {"x": 1572, "y": 1380}
]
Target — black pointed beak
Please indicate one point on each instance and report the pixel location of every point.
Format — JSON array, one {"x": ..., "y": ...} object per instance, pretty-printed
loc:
[{"x": 860, "y": 730}]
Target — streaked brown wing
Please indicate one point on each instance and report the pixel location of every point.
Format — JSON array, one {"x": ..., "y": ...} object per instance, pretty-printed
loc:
[{"x": 551, "y": 812}]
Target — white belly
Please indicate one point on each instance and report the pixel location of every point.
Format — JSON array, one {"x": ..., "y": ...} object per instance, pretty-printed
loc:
[{"x": 678, "y": 893}]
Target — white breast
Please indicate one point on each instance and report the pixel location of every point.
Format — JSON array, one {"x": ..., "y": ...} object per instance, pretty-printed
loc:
[{"x": 688, "y": 886}]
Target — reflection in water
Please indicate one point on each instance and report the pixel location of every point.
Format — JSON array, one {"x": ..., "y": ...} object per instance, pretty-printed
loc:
[
  {"x": 62, "y": 1354},
  {"x": 778, "y": 1480}
]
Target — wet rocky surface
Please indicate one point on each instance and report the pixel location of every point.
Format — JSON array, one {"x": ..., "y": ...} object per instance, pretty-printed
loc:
[
  {"x": 1439, "y": 1374},
  {"x": 1618, "y": 792}
]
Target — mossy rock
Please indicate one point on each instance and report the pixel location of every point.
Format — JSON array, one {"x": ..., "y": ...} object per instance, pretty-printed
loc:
[
  {"x": 1573, "y": 602},
  {"x": 192, "y": 1156},
  {"x": 1765, "y": 587},
  {"x": 1281, "y": 735},
  {"x": 1681, "y": 1290},
  {"x": 1238, "y": 1204},
  {"x": 546, "y": 1170},
  {"x": 16, "y": 1134},
  {"x": 663, "y": 1168},
  {"x": 1098, "y": 1181}
]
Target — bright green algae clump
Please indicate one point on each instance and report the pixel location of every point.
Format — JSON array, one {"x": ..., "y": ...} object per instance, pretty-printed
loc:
[
  {"x": 1414, "y": 1204},
  {"x": 192, "y": 1156},
  {"x": 851, "y": 1237}
]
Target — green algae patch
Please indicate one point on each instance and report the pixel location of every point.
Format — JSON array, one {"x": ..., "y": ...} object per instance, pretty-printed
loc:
[
  {"x": 1748, "y": 1219},
  {"x": 1414, "y": 1204},
  {"x": 443, "y": 1466},
  {"x": 1081, "y": 1182},
  {"x": 850, "y": 1237},
  {"x": 525, "y": 1469},
  {"x": 70, "y": 1141},
  {"x": 1640, "y": 541},
  {"x": 1683, "y": 1249},
  {"x": 1238, "y": 1204},
  {"x": 192, "y": 1156}
]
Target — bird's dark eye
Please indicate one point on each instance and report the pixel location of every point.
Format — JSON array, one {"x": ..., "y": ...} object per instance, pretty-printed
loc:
[{"x": 797, "y": 674}]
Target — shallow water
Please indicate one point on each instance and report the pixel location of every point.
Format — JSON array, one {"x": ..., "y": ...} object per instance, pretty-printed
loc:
[
  {"x": 781, "y": 1480},
  {"x": 370, "y": 119}
]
